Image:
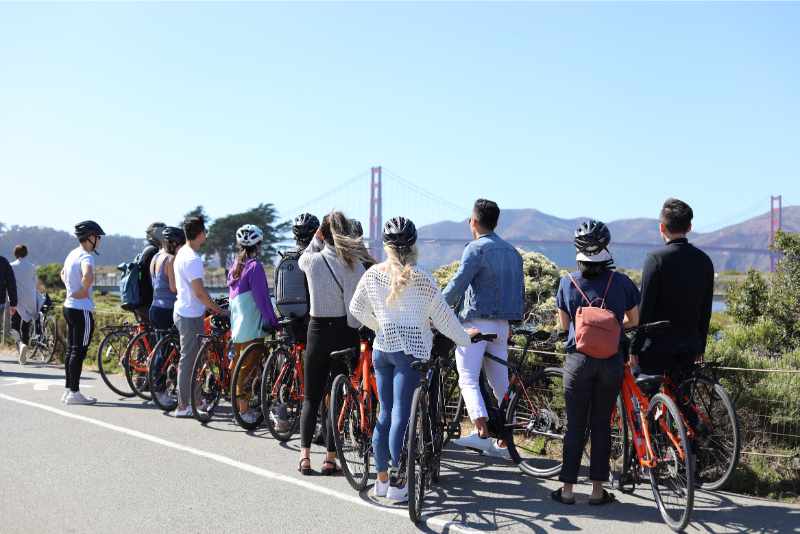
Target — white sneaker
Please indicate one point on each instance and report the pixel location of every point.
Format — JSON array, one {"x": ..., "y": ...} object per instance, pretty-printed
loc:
[
  {"x": 164, "y": 398},
  {"x": 380, "y": 488},
  {"x": 250, "y": 416},
  {"x": 186, "y": 412},
  {"x": 23, "y": 353},
  {"x": 474, "y": 441},
  {"x": 498, "y": 452},
  {"x": 397, "y": 494},
  {"x": 65, "y": 395},
  {"x": 76, "y": 397}
]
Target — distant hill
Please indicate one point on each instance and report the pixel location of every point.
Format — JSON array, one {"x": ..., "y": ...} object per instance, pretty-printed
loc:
[
  {"x": 51, "y": 246},
  {"x": 533, "y": 225},
  {"x": 46, "y": 245}
]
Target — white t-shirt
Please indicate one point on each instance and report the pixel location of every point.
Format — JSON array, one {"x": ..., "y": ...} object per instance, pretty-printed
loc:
[
  {"x": 188, "y": 266},
  {"x": 73, "y": 274}
]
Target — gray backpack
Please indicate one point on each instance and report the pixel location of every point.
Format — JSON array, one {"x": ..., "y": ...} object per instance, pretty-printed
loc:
[{"x": 291, "y": 289}]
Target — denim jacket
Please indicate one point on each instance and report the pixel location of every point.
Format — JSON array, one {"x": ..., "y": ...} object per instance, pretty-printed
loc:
[{"x": 490, "y": 279}]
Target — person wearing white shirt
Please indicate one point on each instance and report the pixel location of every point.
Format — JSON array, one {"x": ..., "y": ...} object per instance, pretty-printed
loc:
[
  {"x": 25, "y": 276},
  {"x": 400, "y": 302}
]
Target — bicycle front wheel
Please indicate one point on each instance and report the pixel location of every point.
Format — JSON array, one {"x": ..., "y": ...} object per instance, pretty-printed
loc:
[
  {"x": 716, "y": 431},
  {"x": 207, "y": 380},
  {"x": 672, "y": 478},
  {"x": 136, "y": 358},
  {"x": 111, "y": 357},
  {"x": 417, "y": 454},
  {"x": 539, "y": 418},
  {"x": 281, "y": 401},
  {"x": 246, "y": 387}
]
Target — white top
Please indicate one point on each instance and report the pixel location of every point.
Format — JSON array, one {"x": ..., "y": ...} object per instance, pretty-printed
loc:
[
  {"x": 188, "y": 266},
  {"x": 405, "y": 324},
  {"x": 25, "y": 275},
  {"x": 73, "y": 274}
]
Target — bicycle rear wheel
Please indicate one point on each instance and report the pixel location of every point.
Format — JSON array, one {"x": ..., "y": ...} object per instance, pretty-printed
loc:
[
  {"x": 539, "y": 416},
  {"x": 353, "y": 446},
  {"x": 110, "y": 354},
  {"x": 620, "y": 459},
  {"x": 246, "y": 387},
  {"x": 672, "y": 478},
  {"x": 281, "y": 402},
  {"x": 717, "y": 440},
  {"x": 207, "y": 380},
  {"x": 136, "y": 358},
  {"x": 162, "y": 372},
  {"x": 417, "y": 453}
]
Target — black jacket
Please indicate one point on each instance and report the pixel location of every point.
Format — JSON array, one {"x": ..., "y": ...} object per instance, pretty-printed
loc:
[
  {"x": 678, "y": 286},
  {"x": 146, "y": 282},
  {"x": 8, "y": 284}
]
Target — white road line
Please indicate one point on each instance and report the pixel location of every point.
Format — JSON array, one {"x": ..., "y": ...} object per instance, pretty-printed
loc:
[{"x": 446, "y": 526}]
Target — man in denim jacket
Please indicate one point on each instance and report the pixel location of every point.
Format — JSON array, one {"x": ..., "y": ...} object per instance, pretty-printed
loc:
[{"x": 491, "y": 282}]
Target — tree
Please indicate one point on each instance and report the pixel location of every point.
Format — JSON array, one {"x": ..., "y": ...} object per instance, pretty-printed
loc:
[
  {"x": 222, "y": 233},
  {"x": 783, "y": 298},
  {"x": 198, "y": 211},
  {"x": 747, "y": 300}
]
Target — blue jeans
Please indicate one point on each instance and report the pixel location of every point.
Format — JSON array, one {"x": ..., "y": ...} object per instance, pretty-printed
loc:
[{"x": 396, "y": 384}]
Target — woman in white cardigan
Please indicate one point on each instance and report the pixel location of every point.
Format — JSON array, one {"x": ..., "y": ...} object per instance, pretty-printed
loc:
[{"x": 400, "y": 302}]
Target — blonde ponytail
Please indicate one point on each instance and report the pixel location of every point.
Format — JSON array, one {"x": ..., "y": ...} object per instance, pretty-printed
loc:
[{"x": 401, "y": 269}]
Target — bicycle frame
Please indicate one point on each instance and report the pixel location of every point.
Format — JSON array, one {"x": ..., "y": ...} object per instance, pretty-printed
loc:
[
  {"x": 297, "y": 359},
  {"x": 363, "y": 380}
]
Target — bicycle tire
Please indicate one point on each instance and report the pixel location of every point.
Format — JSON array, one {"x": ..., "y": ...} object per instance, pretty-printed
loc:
[
  {"x": 664, "y": 450},
  {"x": 166, "y": 372},
  {"x": 539, "y": 445},
  {"x": 620, "y": 446},
  {"x": 416, "y": 453},
  {"x": 50, "y": 333},
  {"x": 281, "y": 361},
  {"x": 453, "y": 402},
  {"x": 715, "y": 468},
  {"x": 113, "y": 348},
  {"x": 255, "y": 355},
  {"x": 352, "y": 445},
  {"x": 206, "y": 381},
  {"x": 137, "y": 358}
]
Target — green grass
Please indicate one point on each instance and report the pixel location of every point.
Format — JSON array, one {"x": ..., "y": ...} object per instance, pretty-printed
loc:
[{"x": 761, "y": 476}]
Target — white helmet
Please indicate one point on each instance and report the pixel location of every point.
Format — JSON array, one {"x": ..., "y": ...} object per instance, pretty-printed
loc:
[{"x": 249, "y": 235}]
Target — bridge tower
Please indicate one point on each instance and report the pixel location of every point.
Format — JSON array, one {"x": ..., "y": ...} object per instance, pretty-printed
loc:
[
  {"x": 376, "y": 214},
  {"x": 775, "y": 224}
]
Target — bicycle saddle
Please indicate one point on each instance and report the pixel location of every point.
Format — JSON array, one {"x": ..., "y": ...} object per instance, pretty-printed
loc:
[
  {"x": 345, "y": 354},
  {"x": 649, "y": 383},
  {"x": 530, "y": 332}
]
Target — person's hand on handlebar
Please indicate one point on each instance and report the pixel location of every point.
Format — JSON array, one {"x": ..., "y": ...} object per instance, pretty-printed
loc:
[{"x": 472, "y": 332}]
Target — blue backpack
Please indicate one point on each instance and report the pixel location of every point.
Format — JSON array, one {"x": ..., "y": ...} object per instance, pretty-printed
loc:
[{"x": 129, "y": 291}]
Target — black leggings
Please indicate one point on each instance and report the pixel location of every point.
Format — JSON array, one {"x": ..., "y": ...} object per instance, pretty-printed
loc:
[
  {"x": 80, "y": 328},
  {"x": 23, "y": 327},
  {"x": 325, "y": 335}
]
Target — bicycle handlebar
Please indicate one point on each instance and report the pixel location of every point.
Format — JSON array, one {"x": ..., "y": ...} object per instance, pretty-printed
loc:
[
  {"x": 477, "y": 338},
  {"x": 649, "y": 327}
]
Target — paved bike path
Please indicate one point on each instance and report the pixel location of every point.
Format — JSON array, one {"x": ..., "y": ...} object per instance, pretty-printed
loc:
[{"x": 122, "y": 466}]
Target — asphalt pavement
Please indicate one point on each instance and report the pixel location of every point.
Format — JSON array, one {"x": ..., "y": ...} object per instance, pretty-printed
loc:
[{"x": 122, "y": 466}]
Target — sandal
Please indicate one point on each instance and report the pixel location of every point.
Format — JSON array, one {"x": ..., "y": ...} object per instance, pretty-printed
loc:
[
  {"x": 330, "y": 471},
  {"x": 557, "y": 496},
  {"x": 305, "y": 471},
  {"x": 607, "y": 498}
]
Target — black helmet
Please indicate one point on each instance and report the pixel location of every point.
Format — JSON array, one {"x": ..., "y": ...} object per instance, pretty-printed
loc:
[
  {"x": 174, "y": 234},
  {"x": 591, "y": 237},
  {"x": 399, "y": 233},
  {"x": 304, "y": 226},
  {"x": 85, "y": 229},
  {"x": 153, "y": 233},
  {"x": 356, "y": 228}
]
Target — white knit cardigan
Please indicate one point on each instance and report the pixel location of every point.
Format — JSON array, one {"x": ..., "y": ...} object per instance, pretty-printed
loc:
[{"x": 405, "y": 323}]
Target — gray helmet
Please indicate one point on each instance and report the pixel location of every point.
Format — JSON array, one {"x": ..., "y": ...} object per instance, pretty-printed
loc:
[{"x": 591, "y": 237}]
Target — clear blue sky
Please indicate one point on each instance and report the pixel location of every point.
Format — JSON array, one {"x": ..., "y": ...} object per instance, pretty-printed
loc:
[{"x": 127, "y": 113}]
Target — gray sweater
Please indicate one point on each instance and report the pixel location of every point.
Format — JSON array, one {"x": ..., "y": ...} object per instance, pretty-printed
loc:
[{"x": 327, "y": 300}]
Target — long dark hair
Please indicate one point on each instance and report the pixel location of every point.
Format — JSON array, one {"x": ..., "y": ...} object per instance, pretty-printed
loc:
[{"x": 245, "y": 253}]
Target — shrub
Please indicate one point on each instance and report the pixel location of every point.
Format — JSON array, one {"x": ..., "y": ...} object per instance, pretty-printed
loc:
[
  {"x": 747, "y": 300},
  {"x": 50, "y": 275}
]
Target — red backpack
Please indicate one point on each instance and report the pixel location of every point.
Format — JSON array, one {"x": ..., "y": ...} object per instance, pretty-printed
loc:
[{"x": 597, "y": 329}]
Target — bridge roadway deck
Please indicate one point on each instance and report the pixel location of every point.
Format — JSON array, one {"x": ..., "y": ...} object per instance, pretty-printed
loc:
[{"x": 121, "y": 466}]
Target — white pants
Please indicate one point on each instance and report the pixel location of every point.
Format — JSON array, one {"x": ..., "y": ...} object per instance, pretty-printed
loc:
[{"x": 470, "y": 361}]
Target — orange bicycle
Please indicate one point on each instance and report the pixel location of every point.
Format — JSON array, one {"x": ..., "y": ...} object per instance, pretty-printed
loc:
[
  {"x": 211, "y": 375},
  {"x": 649, "y": 438},
  {"x": 136, "y": 359},
  {"x": 353, "y": 412},
  {"x": 282, "y": 391}
]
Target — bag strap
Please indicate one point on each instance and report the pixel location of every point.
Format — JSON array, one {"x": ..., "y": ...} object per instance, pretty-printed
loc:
[
  {"x": 328, "y": 265},
  {"x": 608, "y": 286},
  {"x": 589, "y": 302}
]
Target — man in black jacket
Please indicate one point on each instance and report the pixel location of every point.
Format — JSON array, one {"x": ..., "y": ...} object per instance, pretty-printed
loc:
[
  {"x": 8, "y": 287},
  {"x": 153, "y": 237},
  {"x": 677, "y": 286}
]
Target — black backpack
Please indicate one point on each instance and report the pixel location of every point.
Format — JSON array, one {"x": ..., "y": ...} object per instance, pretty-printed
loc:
[{"x": 291, "y": 289}]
